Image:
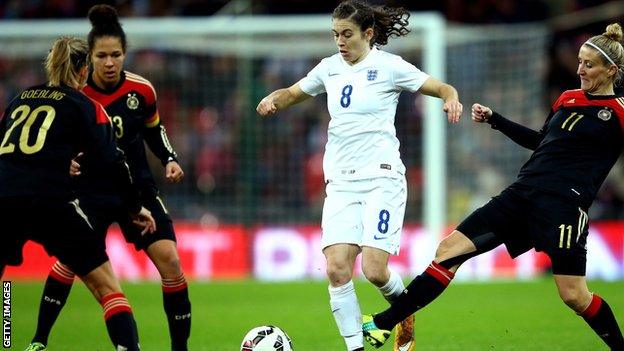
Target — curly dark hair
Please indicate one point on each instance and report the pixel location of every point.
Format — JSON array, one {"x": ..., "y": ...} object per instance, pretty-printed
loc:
[
  {"x": 384, "y": 20},
  {"x": 105, "y": 23}
]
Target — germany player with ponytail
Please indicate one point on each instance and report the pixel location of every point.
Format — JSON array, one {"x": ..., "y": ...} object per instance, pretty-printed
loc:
[
  {"x": 42, "y": 129},
  {"x": 546, "y": 207},
  {"x": 130, "y": 101}
]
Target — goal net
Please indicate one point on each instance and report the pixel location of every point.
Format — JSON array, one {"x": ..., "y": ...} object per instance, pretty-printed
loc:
[{"x": 210, "y": 73}]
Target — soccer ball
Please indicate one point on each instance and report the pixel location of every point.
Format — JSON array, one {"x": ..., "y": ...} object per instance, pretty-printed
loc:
[{"x": 266, "y": 338}]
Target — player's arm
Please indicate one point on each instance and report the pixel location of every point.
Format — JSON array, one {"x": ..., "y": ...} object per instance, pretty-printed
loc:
[
  {"x": 281, "y": 99},
  {"x": 521, "y": 135},
  {"x": 155, "y": 136},
  {"x": 448, "y": 94}
]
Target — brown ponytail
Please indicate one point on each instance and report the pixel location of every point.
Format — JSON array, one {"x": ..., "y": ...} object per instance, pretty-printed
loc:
[{"x": 386, "y": 21}]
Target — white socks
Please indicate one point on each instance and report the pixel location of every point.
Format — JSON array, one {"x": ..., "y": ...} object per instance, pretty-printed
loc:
[
  {"x": 393, "y": 288},
  {"x": 346, "y": 310}
]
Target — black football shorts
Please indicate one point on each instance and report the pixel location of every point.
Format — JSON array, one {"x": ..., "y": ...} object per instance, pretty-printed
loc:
[
  {"x": 525, "y": 218},
  {"x": 107, "y": 209},
  {"x": 60, "y": 226}
]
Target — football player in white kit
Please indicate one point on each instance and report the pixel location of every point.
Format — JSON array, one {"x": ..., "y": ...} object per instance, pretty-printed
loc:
[{"x": 366, "y": 187}]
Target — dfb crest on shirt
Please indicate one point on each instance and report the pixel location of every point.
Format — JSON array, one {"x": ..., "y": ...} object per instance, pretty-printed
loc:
[
  {"x": 604, "y": 114},
  {"x": 132, "y": 102},
  {"x": 372, "y": 74}
]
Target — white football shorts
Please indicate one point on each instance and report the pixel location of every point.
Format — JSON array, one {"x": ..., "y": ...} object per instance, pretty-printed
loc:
[{"x": 367, "y": 212}]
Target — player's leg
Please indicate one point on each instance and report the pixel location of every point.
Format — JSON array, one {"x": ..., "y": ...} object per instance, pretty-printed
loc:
[
  {"x": 55, "y": 292},
  {"x": 502, "y": 220},
  {"x": 177, "y": 305},
  {"x": 384, "y": 211},
  {"x": 423, "y": 289},
  {"x": 99, "y": 210},
  {"x": 452, "y": 251},
  {"x": 160, "y": 247},
  {"x": 561, "y": 229},
  {"x": 342, "y": 235},
  {"x": 376, "y": 270},
  {"x": 82, "y": 249},
  {"x": 342, "y": 298},
  {"x": 118, "y": 316},
  {"x": 592, "y": 308}
]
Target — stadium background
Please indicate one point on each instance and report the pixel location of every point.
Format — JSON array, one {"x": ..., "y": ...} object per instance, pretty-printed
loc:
[{"x": 250, "y": 204}]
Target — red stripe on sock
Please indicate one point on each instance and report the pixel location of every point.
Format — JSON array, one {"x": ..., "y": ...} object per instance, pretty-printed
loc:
[
  {"x": 174, "y": 284},
  {"x": 62, "y": 269},
  {"x": 593, "y": 307},
  {"x": 174, "y": 288},
  {"x": 438, "y": 276},
  {"x": 119, "y": 309},
  {"x": 111, "y": 296},
  {"x": 62, "y": 275},
  {"x": 446, "y": 271},
  {"x": 113, "y": 304},
  {"x": 440, "y": 273}
]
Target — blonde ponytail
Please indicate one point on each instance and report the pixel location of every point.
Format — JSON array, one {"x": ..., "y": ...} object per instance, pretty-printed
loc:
[
  {"x": 66, "y": 58},
  {"x": 609, "y": 44}
]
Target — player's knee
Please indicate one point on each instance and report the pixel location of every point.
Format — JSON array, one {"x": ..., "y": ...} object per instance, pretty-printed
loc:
[
  {"x": 452, "y": 246},
  {"x": 101, "y": 287},
  {"x": 446, "y": 249},
  {"x": 573, "y": 298},
  {"x": 170, "y": 268},
  {"x": 168, "y": 263},
  {"x": 376, "y": 274},
  {"x": 338, "y": 273}
]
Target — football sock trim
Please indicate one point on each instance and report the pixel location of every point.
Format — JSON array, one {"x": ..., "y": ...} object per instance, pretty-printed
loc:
[
  {"x": 115, "y": 303},
  {"x": 62, "y": 273},
  {"x": 592, "y": 308},
  {"x": 176, "y": 284},
  {"x": 441, "y": 274}
]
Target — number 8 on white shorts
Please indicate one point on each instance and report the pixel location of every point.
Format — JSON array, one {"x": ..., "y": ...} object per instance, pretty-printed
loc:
[{"x": 367, "y": 212}]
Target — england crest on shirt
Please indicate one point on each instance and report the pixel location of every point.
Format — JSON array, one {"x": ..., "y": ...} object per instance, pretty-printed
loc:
[{"x": 371, "y": 75}]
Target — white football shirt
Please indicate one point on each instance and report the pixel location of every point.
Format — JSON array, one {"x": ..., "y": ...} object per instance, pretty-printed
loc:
[{"x": 362, "y": 101}]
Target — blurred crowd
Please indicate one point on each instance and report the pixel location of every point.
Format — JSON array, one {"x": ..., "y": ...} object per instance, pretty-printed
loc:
[
  {"x": 469, "y": 11},
  {"x": 240, "y": 168}
]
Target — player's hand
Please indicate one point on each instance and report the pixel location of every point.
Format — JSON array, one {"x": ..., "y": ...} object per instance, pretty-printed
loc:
[
  {"x": 266, "y": 107},
  {"x": 144, "y": 221},
  {"x": 74, "y": 167},
  {"x": 173, "y": 172},
  {"x": 480, "y": 113},
  {"x": 453, "y": 109}
]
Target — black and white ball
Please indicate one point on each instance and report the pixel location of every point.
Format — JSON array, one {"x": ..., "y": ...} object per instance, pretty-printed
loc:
[{"x": 266, "y": 338}]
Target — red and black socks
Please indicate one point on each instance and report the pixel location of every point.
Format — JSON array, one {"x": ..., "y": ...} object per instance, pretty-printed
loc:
[
  {"x": 178, "y": 310},
  {"x": 418, "y": 294},
  {"x": 601, "y": 319},
  {"x": 55, "y": 292}
]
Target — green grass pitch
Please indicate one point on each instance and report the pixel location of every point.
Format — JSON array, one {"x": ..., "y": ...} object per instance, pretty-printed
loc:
[{"x": 494, "y": 316}]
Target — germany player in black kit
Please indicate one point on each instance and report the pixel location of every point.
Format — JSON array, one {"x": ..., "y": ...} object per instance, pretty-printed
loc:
[
  {"x": 40, "y": 132},
  {"x": 546, "y": 207},
  {"x": 130, "y": 101}
]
